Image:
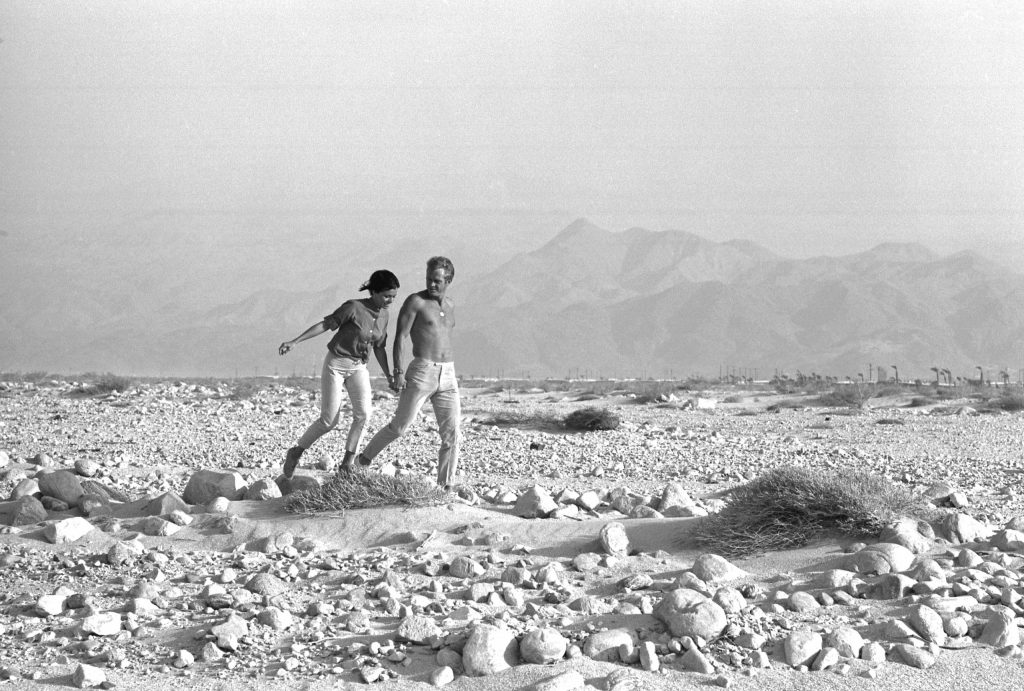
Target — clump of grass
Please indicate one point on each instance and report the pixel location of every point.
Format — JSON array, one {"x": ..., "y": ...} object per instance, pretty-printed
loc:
[
  {"x": 789, "y": 506},
  {"x": 363, "y": 490},
  {"x": 591, "y": 419},
  {"x": 108, "y": 383},
  {"x": 848, "y": 395},
  {"x": 921, "y": 401},
  {"x": 1010, "y": 403}
]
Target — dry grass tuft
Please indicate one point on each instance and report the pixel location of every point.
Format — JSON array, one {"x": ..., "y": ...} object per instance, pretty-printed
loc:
[
  {"x": 363, "y": 490},
  {"x": 789, "y": 506},
  {"x": 591, "y": 419}
]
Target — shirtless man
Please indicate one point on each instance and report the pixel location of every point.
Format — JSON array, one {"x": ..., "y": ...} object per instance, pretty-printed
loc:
[{"x": 427, "y": 318}]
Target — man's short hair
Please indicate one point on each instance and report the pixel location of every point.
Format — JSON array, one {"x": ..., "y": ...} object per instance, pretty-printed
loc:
[{"x": 442, "y": 263}]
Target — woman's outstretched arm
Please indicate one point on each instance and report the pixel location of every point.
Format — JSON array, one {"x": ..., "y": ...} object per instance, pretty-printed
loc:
[{"x": 312, "y": 331}]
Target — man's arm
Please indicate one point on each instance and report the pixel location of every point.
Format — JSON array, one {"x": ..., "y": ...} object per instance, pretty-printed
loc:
[{"x": 406, "y": 316}]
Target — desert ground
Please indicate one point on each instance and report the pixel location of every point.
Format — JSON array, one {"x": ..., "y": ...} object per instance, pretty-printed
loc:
[{"x": 156, "y": 591}]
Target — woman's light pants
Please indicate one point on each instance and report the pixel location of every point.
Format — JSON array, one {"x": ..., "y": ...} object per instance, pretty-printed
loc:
[{"x": 352, "y": 376}]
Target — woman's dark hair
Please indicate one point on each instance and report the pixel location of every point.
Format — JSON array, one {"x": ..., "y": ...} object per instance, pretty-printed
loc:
[{"x": 381, "y": 280}]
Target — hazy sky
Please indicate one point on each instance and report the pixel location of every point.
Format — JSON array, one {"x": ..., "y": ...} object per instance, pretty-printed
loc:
[{"x": 810, "y": 127}]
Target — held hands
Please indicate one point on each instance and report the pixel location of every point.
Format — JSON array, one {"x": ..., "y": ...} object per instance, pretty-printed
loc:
[
  {"x": 397, "y": 380},
  {"x": 285, "y": 347}
]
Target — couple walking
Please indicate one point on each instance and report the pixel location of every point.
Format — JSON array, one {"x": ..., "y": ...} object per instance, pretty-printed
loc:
[{"x": 426, "y": 318}]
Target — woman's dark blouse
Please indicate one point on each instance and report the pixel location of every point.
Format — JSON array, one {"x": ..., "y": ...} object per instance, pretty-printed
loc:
[{"x": 360, "y": 329}]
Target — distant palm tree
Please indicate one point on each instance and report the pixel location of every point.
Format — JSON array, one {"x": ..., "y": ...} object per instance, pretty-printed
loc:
[
  {"x": 936, "y": 370},
  {"x": 896, "y": 373},
  {"x": 1005, "y": 376},
  {"x": 981, "y": 375},
  {"x": 949, "y": 376}
]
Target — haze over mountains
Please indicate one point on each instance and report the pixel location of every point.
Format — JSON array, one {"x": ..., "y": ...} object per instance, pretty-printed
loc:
[{"x": 588, "y": 302}]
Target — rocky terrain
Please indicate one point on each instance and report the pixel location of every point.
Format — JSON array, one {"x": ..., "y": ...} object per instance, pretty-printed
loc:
[{"x": 147, "y": 543}]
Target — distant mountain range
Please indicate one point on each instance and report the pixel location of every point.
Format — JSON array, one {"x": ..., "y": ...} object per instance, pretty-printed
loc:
[{"x": 596, "y": 303}]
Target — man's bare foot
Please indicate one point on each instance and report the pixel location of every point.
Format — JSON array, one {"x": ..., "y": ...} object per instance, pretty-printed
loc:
[{"x": 363, "y": 460}]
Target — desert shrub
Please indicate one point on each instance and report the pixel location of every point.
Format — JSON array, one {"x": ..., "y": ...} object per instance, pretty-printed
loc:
[
  {"x": 107, "y": 383},
  {"x": 787, "y": 404},
  {"x": 732, "y": 399},
  {"x": 521, "y": 419},
  {"x": 1010, "y": 403},
  {"x": 788, "y": 506},
  {"x": 244, "y": 389},
  {"x": 920, "y": 401},
  {"x": 846, "y": 395},
  {"x": 591, "y": 419},
  {"x": 362, "y": 490}
]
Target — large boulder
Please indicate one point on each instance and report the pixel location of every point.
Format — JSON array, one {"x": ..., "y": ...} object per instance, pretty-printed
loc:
[
  {"x": 68, "y": 530},
  {"x": 535, "y": 502},
  {"x": 687, "y": 612},
  {"x": 489, "y": 650},
  {"x": 27, "y": 511},
  {"x": 61, "y": 484},
  {"x": 206, "y": 485}
]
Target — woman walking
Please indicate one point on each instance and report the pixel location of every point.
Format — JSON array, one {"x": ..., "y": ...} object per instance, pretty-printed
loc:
[{"x": 361, "y": 325}]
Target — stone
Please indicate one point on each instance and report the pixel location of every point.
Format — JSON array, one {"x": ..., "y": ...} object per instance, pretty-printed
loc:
[
  {"x": 156, "y": 527},
  {"x": 67, "y": 531},
  {"x": 872, "y": 652},
  {"x": 87, "y": 676},
  {"x": 165, "y": 504},
  {"x": 604, "y": 645},
  {"x": 206, "y": 485},
  {"x": 715, "y": 570},
  {"x": 614, "y": 540},
  {"x": 418, "y": 629},
  {"x": 846, "y": 640},
  {"x": 234, "y": 626},
  {"x": 689, "y": 613},
  {"x": 674, "y": 496},
  {"x": 27, "y": 511},
  {"x": 102, "y": 624},
  {"x": 266, "y": 585},
  {"x": 276, "y": 618},
  {"x": 729, "y": 599},
  {"x": 827, "y": 658},
  {"x": 927, "y": 623},
  {"x": 535, "y": 502},
  {"x": 899, "y": 557},
  {"x": 442, "y": 676},
  {"x": 466, "y": 567},
  {"x": 912, "y": 656},
  {"x": 489, "y": 650},
  {"x": 262, "y": 489},
  {"x": 695, "y": 661},
  {"x": 61, "y": 484},
  {"x": 50, "y": 605},
  {"x": 1001, "y": 630},
  {"x": 86, "y": 467},
  {"x": 960, "y": 527},
  {"x": 1007, "y": 540},
  {"x": 543, "y": 646},
  {"x": 801, "y": 647},
  {"x": 649, "y": 656},
  {"x": 586, "y": 561},
  {"x": 26, "y": 487},
  {"x": 566, "y": 681},
  {"x": 917, "y": 536},
  {"x": 802, "y": 601},
  {"x": 589, "y": 501}
]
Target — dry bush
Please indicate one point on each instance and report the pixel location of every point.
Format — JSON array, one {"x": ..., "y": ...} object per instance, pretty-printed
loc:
[
  {"x": 1010, "y": 403},
  {"x": 788, "y": 506},
  {"x": 591, "y": 419},
  {"x": 921, "y": 401},
  {"x": 362, "y": 490}
]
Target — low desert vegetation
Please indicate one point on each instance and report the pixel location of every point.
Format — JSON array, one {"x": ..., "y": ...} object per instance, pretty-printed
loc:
[
  {"x": 789, "y": 506},
  {"x": 363, "y": 490},
  {"x": 591, "y": 419}
]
